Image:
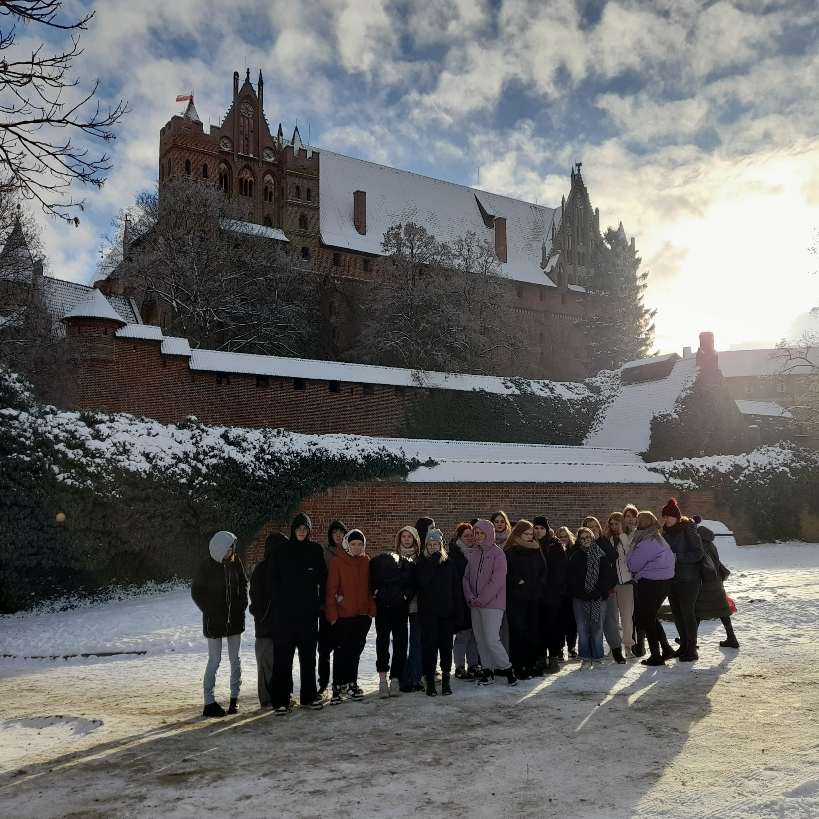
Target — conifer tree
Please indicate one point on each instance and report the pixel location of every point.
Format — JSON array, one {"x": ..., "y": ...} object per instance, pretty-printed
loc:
[{"x": 620, "y": 327}]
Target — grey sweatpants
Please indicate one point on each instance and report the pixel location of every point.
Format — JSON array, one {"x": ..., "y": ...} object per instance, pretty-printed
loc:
[
  {"x": 486, "y": 623},
  {"x": 465, "y": 649},
  {"x": 611, "y": 622},
  {"x": 264, "y": 669}
]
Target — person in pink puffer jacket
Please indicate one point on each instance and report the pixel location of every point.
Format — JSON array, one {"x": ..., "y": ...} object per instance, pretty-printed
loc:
[{"x": 485, "y": 592}]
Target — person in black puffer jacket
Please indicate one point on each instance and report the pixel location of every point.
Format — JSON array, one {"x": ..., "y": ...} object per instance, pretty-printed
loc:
[
  {"x": 298, "y": 577},
  {"x": 712, "y": 602},
  {"x": 526, "y": 572},
  {"x": 219, "y": 589},
  {"x": 261, "y": 609},
  {"x": 685, "y": 542},
  {"x": 326, "y": 638},
  {"x": 393, "y": 584},
  {"x": 438, "y": 590},
  {"x": 551, "y": 613}
]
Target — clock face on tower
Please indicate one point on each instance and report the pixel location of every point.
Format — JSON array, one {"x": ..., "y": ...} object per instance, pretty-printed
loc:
[
  {"x": 268, "y": 154},
  {"x": 224, "y": 144},
  {"x": 247, "y": 109}
]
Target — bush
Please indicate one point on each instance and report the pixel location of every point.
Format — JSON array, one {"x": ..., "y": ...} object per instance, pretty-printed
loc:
[
  {"x": 141, "y": 499},
  {"x": 776, "y": 488}
]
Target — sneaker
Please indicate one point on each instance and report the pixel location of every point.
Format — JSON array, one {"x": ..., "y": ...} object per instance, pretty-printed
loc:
[
  {"x": 335, "y": 698},
  {"x": 487, "y": 677},
  {"x": 461, "y": 673},
  {"x": 653, "y": 660},
  {"x": 617, "y": 654},
  {"x": 586, "y": 665},
  {"x": 509, "y": 673},
  {"x": 383, "y": 689},
  {"x": 355, "y": 692},
  {"x": 317, "y": 704},
  {"x": 638, "y": 649},
  {"x": 233, "y": 707},
  {"x": 213, "y": 709},
  {"x": 281, "y": 711},
  {"x": 395, "y": 688}
]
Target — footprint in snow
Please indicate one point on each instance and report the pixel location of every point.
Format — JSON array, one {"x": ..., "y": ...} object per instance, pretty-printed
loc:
[{"x": 78, "y": 726}]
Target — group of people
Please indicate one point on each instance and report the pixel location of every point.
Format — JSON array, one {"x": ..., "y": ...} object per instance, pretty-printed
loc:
[{"x": 505, "y": 600}]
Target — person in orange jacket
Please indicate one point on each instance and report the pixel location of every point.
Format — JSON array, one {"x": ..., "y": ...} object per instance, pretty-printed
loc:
[{"x": 349, "y": 608}]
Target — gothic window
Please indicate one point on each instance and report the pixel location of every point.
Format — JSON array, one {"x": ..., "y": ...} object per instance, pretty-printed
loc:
[
  {"x": 205, "y": 171},
  {"x": 302, "y": 221},
  {"x": 268, "y": 222},
  {"x": 365, "y": 263},
  {"x": 298, "y": 191},
  {"x": 268, "y": 189},
  {"x": 188, "y": 167},
  {"x": 246, "y": 128},
  {"x": 245, "y": 183},
  {"x": 224, "y": 179},
  {"x": 309, "y": 194}
]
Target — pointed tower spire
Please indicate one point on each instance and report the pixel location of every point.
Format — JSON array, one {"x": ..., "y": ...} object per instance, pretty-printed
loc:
[
  {"x": 247, "y": 76},
  {"x": 190, "y": 111},
  {"x": 297, "y": 143},
  {"x": 280, "y": 136}
]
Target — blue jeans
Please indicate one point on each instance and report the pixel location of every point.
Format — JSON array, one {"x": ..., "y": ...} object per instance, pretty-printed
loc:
[
  {"x": 412, "y": 668},
  {"x": 589, "y": 635},
  {"x": 215, "y": 658}
]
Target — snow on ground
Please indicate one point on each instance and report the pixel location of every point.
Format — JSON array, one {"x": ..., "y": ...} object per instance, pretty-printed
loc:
[{"x": 733, "y": 735}]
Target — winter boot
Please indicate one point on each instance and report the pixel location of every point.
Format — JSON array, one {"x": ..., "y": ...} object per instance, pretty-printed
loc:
[
  {"x": 432, "y": 691},
  {"x": 383, "y": 688},
  {"x": 688, "y": 656},
  {"x": 232, "y": 708},
  {"x": 509, "y": 673},
  {"x": 461, "y": 673},
  {"x": 213, "y": 709},
  {"x": 653, "y": 659},
  {"x": 730, "y": 642},
  {"x": 335, "y": 699},
  {"x": 317, "y": 704},
  {"x": 395, "y": 688},
  {"x": 617, "y": 654},
  {"x": 446, "y": 689},
  {"x": 355, "y": 692},
  {"x": 487, "y": 677},
  {"x": 474, "y": 672},
  {"x": 639, "y": 648}
]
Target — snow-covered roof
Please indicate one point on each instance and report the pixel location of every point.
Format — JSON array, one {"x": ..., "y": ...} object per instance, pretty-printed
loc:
[
  {"x": 769, "y": 408},
  {"x": 626, "y": 422},
  {"x": 252, "y": 229},
  {"x": 743, "y": 363},
  {"x": 446, "y": 210},
  {"x": 63, "y": 296},
  {"x": 95, "y": 305},
  {"x": 642, "y": 362},
  {"x": 144, "y": 331},
  {"x": 470, "y": 462},
  {"x": 309, "y": 369}
]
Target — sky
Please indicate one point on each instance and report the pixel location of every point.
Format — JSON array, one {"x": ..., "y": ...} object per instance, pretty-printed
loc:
[{"x": 697, "y": 122}]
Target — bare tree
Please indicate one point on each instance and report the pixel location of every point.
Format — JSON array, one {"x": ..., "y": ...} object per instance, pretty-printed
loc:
[
  {"x": 39, "y": 101},
  {"x": 203, "y": 273},
  {"x": 435, "y": 306},
  {"x": 800, "y": 362}
]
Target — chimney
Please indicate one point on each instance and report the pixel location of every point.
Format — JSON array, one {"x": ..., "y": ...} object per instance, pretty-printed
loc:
[
  {"x": 707, "y": 355},
  {"x": 360, "y": 211},
  {"x": 500, "y": 238}
]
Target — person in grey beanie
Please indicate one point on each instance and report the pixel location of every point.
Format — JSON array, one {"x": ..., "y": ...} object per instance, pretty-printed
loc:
[{"x": 219, "y": 589}]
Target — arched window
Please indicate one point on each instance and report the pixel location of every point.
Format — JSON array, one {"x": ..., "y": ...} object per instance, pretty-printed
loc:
[
  {"x": 268, "y": 222},
  {"x": 305, "y": 253},
  {"x": 309, "y": 194},
  {"x": 298, "y": 191},
  {"x": 246, "y": 183},
  {"x": 224, "y": 179},
  {"x": 268, "y": 189},
  {"x": 188, "y": 167},
  {"x": 205, "y": 171},
  {"x": 302, "y": 221}
]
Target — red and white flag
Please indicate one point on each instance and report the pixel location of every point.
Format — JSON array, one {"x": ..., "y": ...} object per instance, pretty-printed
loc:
[{"x": 184, "y": 98}]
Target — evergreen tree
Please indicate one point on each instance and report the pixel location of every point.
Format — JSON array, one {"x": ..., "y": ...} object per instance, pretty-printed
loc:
[{"x": 619, "y": 327}]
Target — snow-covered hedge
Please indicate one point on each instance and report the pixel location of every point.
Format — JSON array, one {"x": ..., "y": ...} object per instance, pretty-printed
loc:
[
  {"x": 776, "y": 488},
  {"x": 140, "y": 498}
]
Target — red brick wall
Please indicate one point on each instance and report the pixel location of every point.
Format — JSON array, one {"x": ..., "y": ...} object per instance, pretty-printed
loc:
[{"x": 380, "y": 508}]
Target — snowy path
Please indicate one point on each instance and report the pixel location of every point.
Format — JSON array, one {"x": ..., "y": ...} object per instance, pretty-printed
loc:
[{"x": 734, "y": 735}]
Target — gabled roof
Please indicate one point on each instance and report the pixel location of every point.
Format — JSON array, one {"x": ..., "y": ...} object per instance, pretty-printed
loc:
[
  {"x": 94, "y": 306},
  {"x": 444, "y": 209},
  {"x": 766, "y": 408},
  {"x": 744, "y": 363}
]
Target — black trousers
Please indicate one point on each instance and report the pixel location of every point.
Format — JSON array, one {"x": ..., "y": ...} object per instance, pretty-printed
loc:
[
  {"x": 525, "y": 637},
  {"x": 683, "y": 598},
  {"x": 569, "y": 624},
  {"x": 326, "y": 644},
  {"x": 651, "y": 594},
  {"x": 436, "y": 639},
  {"x": 351, "y": 637},
  {"x": 638, "y": 632},
  {"x": 287, "y": 639},
  {"x": 551, "y": 628},
  {"x": 393, "y": 622}
]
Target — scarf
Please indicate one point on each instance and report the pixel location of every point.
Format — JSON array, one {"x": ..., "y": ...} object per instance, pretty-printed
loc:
[{"x": 594, "y": 554}]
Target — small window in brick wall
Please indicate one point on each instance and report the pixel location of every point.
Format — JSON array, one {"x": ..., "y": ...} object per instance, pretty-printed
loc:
[
  {"x": 305, "y": 253},
  {"x": 222, "y": 379},
  {"x": 263, "y": 381},
  {"x": 519, "y": 290},
  {"x": 309, "y": 194},
  {"x": 367, "y": 389},
  {"x": 366, "y": 265},
  {"x": 299, "y": 384},
  {"x": 336, "y": 260},
  {"x": 333, "y": 386}
]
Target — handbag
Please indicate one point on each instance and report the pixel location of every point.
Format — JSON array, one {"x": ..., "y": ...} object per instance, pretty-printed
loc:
[
  {"x": 732, "y": 606},
  {"x": 708, "y": 571}
]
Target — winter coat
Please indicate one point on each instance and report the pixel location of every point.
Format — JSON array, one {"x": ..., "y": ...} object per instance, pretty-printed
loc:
[
  {"x": 438, "y": 590},
  {"x": 393, "y": 582},
  {"x": 348, "y": 579},
  {"x": 609, "y": 550},
  {"x": 298, "y": 575},
  {"x": 651, "y": 559},
  {"x": 686, "y": 544},
  {"x": 485, "y": 577},
  {"x": 576, "y": 577},
  {"x": 458, "y": 555},
  {"x": 557, "y": 561},
  {"x": 220, "y": 592},
  {"x": 617, "y": 552},
  {"x": 711, "y": 603},
  {"x": 261, "y": 601},
  {"x": 526, "y": 574}
]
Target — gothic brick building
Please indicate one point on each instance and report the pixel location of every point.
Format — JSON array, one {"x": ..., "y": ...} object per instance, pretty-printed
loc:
[{"x": 332, "y": 212}]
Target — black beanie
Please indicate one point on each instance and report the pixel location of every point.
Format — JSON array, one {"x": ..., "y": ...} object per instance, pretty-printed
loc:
[{"x": 540, "y": 520}]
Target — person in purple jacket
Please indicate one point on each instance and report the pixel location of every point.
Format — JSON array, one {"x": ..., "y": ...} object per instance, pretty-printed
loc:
[
  {"x": 651, "y": 563},
  {"x": 485, "y": 592}
]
